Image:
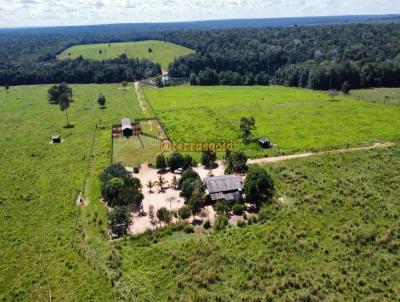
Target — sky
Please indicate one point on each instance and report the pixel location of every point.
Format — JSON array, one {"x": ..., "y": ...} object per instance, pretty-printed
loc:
[{"x": 26, "y": 13}]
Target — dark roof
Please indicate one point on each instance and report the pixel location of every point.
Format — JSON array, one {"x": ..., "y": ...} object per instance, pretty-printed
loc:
[
  {"x": 126, "y": 124},
  {"x": 232, "y": 196},
  {"x": 221, "y": 184},
  {"x": 263, "y": 140}
]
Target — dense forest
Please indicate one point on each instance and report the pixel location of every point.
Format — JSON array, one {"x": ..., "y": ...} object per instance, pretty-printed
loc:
[{"x": 318, "y": 56}]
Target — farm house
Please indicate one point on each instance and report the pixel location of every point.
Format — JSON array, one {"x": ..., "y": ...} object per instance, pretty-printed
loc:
[
  {"x": 226, "y": 187},
  {"x": 127, "y": 127}
]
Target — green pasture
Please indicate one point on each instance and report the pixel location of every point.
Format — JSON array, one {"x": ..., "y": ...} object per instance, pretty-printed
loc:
[
  {"x": 333, "y": 238},
  {"x": 163, "y": 53},
  {"x": 378, "y": 95},
  {"x": 294, "y": 119},
  {"x": 39, "y": 220}
]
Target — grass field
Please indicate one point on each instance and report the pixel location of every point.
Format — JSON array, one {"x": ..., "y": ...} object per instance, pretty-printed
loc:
[
  {"x": 163, "y": 53},
  {"x": 336, "y": 238},
  {"x": 379, "y": 95},
  {"x": 131, "y": 153},
  {"x": 39, "y": 185},
  {"x": 294, "y": 119}
]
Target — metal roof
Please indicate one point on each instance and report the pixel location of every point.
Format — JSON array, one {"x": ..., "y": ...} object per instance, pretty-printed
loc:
[
  {"x": 126, "y": 123},
  {"x": 220, "y": 184}
]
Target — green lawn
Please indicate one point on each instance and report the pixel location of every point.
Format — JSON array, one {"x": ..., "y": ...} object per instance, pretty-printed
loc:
[
  {"x": 163, "y": 53},
  {"x": 38, "y": 188},
  {"x": 336, "y": 238},
  {"x": 130, "y": 152},
  {"x": 294, "y": 119}
]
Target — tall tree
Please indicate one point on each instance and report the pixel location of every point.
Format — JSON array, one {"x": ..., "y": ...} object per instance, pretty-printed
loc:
[
  {"x": 64, "y": 102},
  {"x": 258, "y": 186},
  {"x": 101, "y": 101}
]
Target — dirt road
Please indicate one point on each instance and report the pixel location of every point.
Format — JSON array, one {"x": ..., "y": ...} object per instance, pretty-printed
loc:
[{"x": 267, "y": 160}]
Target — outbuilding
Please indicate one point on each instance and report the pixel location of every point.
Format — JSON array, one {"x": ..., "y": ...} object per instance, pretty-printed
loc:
[
  {"x": 227, "y": 187},
  {"x": 127, "y": 127},
  {"x": 265, "y": 142},
  {"x": 56, "y": 139}
]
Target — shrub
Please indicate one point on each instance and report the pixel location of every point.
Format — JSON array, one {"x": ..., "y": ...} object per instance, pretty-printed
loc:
[
  {"x": 188, "y": 229},
  {"x": 238, "y": 209},
  {"x": 136, "y": 170},
  {"x": 207, "y": 224},
  {"x": 164, "y": 215},
  {"x": 184, "y": 212},
  {"x": 208, "y": 158},
  {"x": 188, "y": 174},
  {"x": 221, "y": 207},
  {"x": 175, "y": 161},
  {"x": 161, "y": 163},
  {"x": 187, "y": 162},
  {"x": 258, "y": 186},
  {"x": 119, "y": 219},
  {"x": 221, "y": 223},
  {"x": 236, "y": 162}
]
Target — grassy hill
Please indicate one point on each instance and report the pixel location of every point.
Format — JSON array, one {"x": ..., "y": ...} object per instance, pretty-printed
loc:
[
  {"x": 163, "y": 53},
  {"x": 39, "y": 219},
  {"x": 294, "y": 119}
]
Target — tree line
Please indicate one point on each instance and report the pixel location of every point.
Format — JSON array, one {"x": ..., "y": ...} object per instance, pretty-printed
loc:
[
  {"x": 317, "y": 57},
  {"x": 77, "y": 71}
]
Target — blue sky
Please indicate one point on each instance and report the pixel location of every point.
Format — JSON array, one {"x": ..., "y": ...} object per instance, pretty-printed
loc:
[{"x": 17, "y": 13}]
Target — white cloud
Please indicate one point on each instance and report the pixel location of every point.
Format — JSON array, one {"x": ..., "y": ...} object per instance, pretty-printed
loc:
[{"x": 75, "y": 12}]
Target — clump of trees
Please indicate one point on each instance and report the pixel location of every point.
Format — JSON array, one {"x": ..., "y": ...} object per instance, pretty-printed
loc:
[
  {"x": 246, "y": 126},
  {"x": 236, "y": 162},
  {"x": 120, "y": 190},
  {"x": 208, "y": 158},
  {"x": 61, "y": 95},
  {"x": 192, "y": 190},
  {"x": 258, "y": 186}
]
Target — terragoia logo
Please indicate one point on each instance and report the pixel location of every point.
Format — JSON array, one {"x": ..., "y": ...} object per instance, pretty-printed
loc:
[{"x": 223, "y": 146}]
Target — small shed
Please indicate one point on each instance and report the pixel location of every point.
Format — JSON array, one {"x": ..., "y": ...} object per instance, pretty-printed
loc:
[
  {"x": 265, "y": 142},
  {"x": 56, "y": 139},
  {"x": 127, "y": 127}
]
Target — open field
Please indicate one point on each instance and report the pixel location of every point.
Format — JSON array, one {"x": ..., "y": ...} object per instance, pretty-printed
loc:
[
  {"x": 39, "y": 186},
  {"x": 379, "y": 95},
  {"x": 294, "y": 119},
  {"x": 334, "y": 238},
  {"x": 163, "y": 53}
]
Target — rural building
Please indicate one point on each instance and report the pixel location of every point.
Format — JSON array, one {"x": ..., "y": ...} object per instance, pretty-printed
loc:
[
  {"x": 265, "y": 143},
  {"x": 127, "y": 127},
  {"x": 56, "y": 139},
  {"x": 226, "y": 187}
]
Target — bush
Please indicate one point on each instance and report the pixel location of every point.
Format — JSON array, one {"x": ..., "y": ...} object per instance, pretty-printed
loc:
[
  {"x": 136, "y": 170},
  {"x": 238, "y": 209},
  {"x": 161, "y": 163},
  {"x": 119, "y": 219},
  {"x": 258, "y": 186},
  {"x": 221, "y": 207},
  {"x": 188, "y": 229},
  {"x": 221, "y": 223},
  {"x": 208, "y": 158},
  {"x": 184, "y": 212},
  {"x": 188, "y": 174},
  {"x": 236, "y": 162},
  {"x": 175, "y": 161},
  {"x": 187, "y": 162},
  {"x": 164, "y": 215},
  {"x": 207, "y": 224}
]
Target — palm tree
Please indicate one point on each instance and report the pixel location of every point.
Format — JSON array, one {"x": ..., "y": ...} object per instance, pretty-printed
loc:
[
  {"x": 160, "y": 183},
  {"x": 175, "y": 182},
  {"x": 150, "y": 185}
]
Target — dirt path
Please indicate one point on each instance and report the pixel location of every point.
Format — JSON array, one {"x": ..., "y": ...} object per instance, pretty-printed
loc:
[
  {"x": 267, "y": 160},
  {"x": 140, "y": 99}
]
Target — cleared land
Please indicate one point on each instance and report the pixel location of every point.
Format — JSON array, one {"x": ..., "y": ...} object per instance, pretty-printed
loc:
[
  {"x": 294, "y": 119},
  {"x": 335, "y": 237},
  {"x": 163, "y": 53},
  {"x": 40, "y": 250}
]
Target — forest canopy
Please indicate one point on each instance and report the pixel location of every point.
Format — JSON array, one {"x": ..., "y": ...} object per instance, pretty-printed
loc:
[{"x": 317, "y": 57}]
